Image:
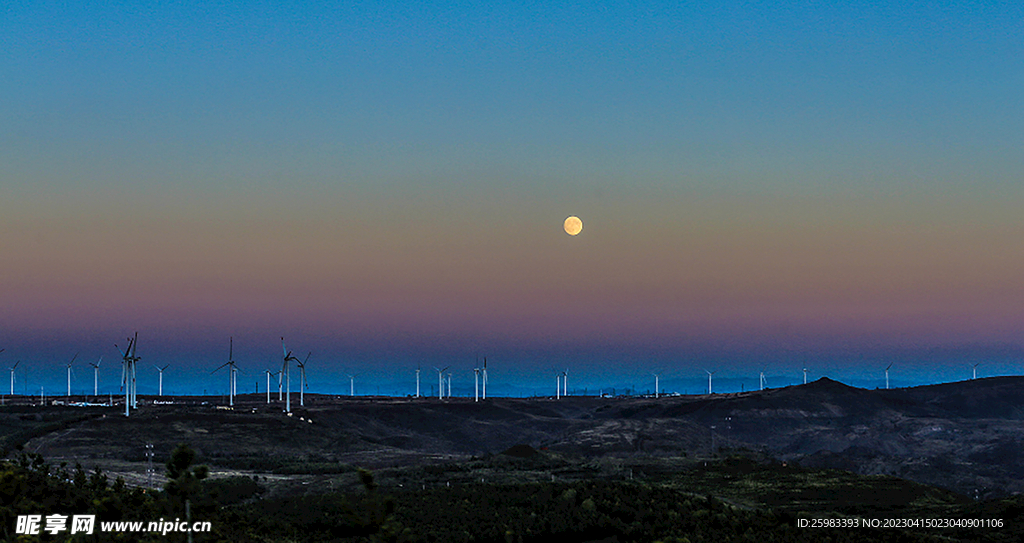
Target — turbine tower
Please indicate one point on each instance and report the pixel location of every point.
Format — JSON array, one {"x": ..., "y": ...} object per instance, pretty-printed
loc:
[
  {"x": 476, "y": 384},
  {"x": 135, "y": 366},
  {"x": 302, "y": 379},
  {"x": 351, "y": 385},
  {"x": 887, "y": 376},
  {"x": 286, "y": 370},
  {"x": 161, "y": 370},
  {"x": 69, "y": 375},
  {"x": 565, "y": 382},
  {"x": 558, "y": 386},
  {"x": 975, "y": 369},
  {"x": 710, "y": 373},
  {"x": 656, "y": 376},
  {"x": 12, "y": 368},
  {"x": 417, "y": 381},
  {"x": 280, "y": 382},
  {"x": 128, "y": 361},
  {"x": 762, "y": 379},
  {"x": 232, "y": 371},
  {"x": 484, "y": 378},
  {"x": 96, "y": 376},
  {"x": 440, "y": 382},
  {"x": 805, "y": 376},
  {"x": 269, "y": 373}
]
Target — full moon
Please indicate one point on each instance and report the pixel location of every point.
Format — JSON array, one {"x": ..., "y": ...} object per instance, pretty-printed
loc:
[{"x": 573, "y": 225}]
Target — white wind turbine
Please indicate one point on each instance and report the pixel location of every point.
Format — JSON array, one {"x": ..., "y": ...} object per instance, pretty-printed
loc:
[
  {"x": 449, "y": 384},
  {"x": 565, "y": 382},
  {"x": 656, "y": 376},
  {"x": 975, "y": 369},
  {"x": 128, "y": 363},
  {"x": 710, "y": 373},
  {"x": 286, "y": 370},
  {"x": 558, "y": 386},
  {"x": 484, "y": 378},
  {"x": 269, "y": 373},
  {"x": 302, "y": 379},
  {"x": 351, "y": 385},
  {"x": 417, "y": 381},
  {"x": 440, "y": 381},
  {"x": 887, "y": 376},
  {"x": 232, "y": 371},
  {"x": 476, "y": 384},
  {"x": 762, "y": 379},
  {"x": 280, "y": 382},
  {"x": 69, "y": 375},
  {"x": 805, "y": 376},
  {"x": 161, "y": 371},
  {"x": 96, "y": 376},
  {"x": 12, "y": 368}
]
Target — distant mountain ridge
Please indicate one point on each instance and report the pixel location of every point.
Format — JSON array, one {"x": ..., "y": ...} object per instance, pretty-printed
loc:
[{"x": 964, "y": 436}]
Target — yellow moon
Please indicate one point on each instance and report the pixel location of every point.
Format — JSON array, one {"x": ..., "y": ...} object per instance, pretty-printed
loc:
[{"x": 573, "y": 225}]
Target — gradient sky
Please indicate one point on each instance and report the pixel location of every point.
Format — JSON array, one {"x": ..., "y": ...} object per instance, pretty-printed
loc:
[{"x": 774, "y": 184}]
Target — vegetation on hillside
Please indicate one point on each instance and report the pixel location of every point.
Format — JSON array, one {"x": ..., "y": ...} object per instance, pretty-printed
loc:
[{"x": 596, "y": 510}]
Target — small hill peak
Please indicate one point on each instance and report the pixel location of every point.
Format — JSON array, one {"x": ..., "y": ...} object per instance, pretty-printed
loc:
[{"x": 824, "y": 383}]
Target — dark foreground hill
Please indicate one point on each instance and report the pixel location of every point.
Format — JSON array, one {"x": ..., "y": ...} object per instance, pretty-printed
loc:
[
  {"x": 965, "y": 436},
  {"x": 827, "y": 506}
]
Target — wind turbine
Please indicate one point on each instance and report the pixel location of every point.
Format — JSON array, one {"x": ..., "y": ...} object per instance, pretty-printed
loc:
[
  {"x": 302, "y": 378},
  {"x": 975, "y": 374},
  {"x": 565, "y": 382},
  {"x": 887, "y": 376},
  {"x": 558, "y": 386},
  {"x": 449, "y": 384},
  {"x": 134, "y": 367},
  {"x": 656, "y": 376},
  {"x": 232, "y": 371},
  {"x": 805, "y": 377},
  {"x": 710, "y": 373},
  {"x": 96, "y": 376},
  {"x": 417, "y": 381},
  {"x": 287, "y": 376},
  {"x": 128, "y": 372},
  {"x": 476, "y": 384},
  {"x": 440, "y": 382},
  {"x": 126, "y": 362},
  {"x": 12, "y": 375},
  {"x": 280, "y": 381},
  {"x": 485, "y": 378},
  {"x": 161, "y": 370},
  {"x": 351, "y": 385},
  {"x": 269, "y": 373},
  {"x": 762, "y": 379},
  {"x": 69, "y": 375}
]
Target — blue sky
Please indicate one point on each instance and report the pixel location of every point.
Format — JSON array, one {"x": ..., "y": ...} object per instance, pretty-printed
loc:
[{"x": 385, "y": 182}]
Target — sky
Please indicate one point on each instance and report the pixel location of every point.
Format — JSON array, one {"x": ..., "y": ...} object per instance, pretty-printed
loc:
[{"x": 764, "y": 186}]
